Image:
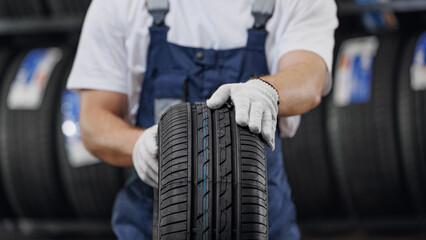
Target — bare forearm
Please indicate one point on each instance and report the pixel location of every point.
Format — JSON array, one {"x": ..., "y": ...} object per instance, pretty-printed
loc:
[
  {"x": 110, "y": 138},
  {"x": 299, "y": 82},
  {"x": 104, "y": 132}
]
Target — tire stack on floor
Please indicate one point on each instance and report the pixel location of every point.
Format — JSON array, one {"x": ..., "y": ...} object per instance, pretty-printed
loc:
[
  {"x": 411, "y": 118},
  {"x": 45, "y": 170},
  {"x": 90, "y": 185},
  {"x": 361, "y": 154},
  {"x": 361, "y": 128},
  {"x": 28, "y": 156},
  {"x": 309, "y": 170}
]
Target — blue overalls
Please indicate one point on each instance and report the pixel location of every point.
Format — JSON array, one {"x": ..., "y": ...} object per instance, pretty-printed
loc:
[{"x": 176, "y": 72}]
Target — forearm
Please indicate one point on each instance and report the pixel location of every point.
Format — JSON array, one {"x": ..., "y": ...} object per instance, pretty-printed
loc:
[
  {"x": 110, "y": 138},
  {"x": 104, "y": 132},
  {"x": 299, "y": 82}
]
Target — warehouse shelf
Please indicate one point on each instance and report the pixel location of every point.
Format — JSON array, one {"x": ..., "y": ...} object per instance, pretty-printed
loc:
[
  {"x": 40, "y": 25},
  {"x": 352, "y": 8},
  {"x": 74, "y": 23}
]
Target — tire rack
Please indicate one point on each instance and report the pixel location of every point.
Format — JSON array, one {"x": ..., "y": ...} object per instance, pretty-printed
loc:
[
  {"x": 344, "y": 217},
  {"x": 18, "y": 33}
]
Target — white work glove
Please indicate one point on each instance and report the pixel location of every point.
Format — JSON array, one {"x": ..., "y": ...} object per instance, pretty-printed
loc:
[
  {"x": 145, "y": 157},
  {"x": 256, "y": 106}
]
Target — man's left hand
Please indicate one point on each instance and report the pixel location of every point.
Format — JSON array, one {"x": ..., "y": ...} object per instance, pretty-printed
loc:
[{"x": 256, "y": 106}]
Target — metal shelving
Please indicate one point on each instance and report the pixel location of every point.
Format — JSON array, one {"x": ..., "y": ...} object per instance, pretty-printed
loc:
[
  {"x": 352, "y": 8},
  {"x": 40, "y": 25},
  {"x": 73, "y": 24}
]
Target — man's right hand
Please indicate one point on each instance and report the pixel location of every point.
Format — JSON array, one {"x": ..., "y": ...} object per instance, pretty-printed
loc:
[{"x": 145, "y": 157}]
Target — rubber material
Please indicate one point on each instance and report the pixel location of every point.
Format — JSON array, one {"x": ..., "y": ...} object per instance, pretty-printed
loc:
[
  {"x": 411, "y": 115},
  {"x": 363, "y": 143},
  {"x": 68, "y": 7},
  {"x": 212, "y": 176},
  {"x": 28, "y": 158},
  {"x": 24, "y": 8},
  {"x": 309, "y": 169},
  {"x": 5, "y": 210},
  {"x": 91, "y": 189}
]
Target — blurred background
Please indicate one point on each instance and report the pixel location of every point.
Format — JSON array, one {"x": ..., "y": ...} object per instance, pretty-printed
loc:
[{"x": 357, "y": 165}]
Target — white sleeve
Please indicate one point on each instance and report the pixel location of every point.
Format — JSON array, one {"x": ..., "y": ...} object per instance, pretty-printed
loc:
[
  {"x": 100, "y": 62},
  {"x": 305, "y": 25}
]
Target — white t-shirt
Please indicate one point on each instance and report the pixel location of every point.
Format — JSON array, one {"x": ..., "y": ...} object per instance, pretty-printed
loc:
[{"x": 113, "y": 47}]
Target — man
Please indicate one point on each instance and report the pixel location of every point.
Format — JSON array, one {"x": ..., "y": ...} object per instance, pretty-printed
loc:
[{"x": 129, "y": 66}]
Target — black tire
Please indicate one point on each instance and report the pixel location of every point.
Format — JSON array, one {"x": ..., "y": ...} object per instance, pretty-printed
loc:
[
  {"x": 56, "y": 7},
  {"x": 310, "y": 171},
  {"x": 212, "y": 176},
  {"x": 363, "y": 143},
  {"x": 91, "y": 189},
  {"x": 28, "y": 159},
  {"x": 5, "y": 210},
  {"x": 411, "y": 115},
  {"x": 27, "y": 8},
  {"x": 3, "y": 9}
]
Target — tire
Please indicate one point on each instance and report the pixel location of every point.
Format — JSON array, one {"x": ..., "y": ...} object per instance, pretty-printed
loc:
[
  {"x": 207, "y": 162},
  {"x": 27, "y": 8},
  {"x": 90, "y": 188},
  {"x": 310, "y": 171},
  {"x": 56, "y": 8},
  {"x": 28, "y": 158},
  {"x": 412, "y": 130},
  {"x": 363, "y": 143},
  {"x": 5, "y": 210},
  {"x": 3, "y": 9}
]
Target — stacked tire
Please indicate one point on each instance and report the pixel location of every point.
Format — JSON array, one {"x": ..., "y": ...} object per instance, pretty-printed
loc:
[
  {"x": 45, "y": 170},
  {"x": 28, "y": 157},
  {"x": 212, "y": 176},
  {"x": 411, "y": 118},
  {"x": 361, "y": 128},
  {"x": 90, "y": 185},
  {"x": 310, "y": 171},
  {"x": 4, "y": 203}
]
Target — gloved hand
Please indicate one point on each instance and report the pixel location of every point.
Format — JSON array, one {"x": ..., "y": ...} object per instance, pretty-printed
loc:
[
  {"x": 256, "y": 106},
  {"x": 145, "y": 157}
]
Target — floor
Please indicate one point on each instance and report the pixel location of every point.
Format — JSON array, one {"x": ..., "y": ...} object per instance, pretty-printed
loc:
[{"x": 28, "y": 230}]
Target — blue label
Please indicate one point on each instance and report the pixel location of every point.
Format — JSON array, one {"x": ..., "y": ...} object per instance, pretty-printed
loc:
[
  {"x": 71, "y": 112},
  {"x": 354, "y": 71},
  {"x": 30, "y": 63},
  {"x": 78, "y": 156},
  {"x": 420, "y": 49},
  {"x": 374, "y": 20},
  {"x": 418, "y": 66},
  {"x": 32, "y": 77},
  {"x": 361, "y": 79},
  {"x": 70, "y": 108}
]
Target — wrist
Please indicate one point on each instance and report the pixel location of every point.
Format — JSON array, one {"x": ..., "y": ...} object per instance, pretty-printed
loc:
[
  {"x": 268, "y": 88},
  {"x": 137, "y": 141}
]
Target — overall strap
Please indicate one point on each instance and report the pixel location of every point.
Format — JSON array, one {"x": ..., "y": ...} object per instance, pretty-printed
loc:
[
  {"x": 158, "y": 10},
  {"x": 262, "y": 10}
]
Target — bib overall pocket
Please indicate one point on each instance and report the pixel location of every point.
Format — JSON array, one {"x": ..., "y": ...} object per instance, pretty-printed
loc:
[{"x": 169, "y": 90}]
